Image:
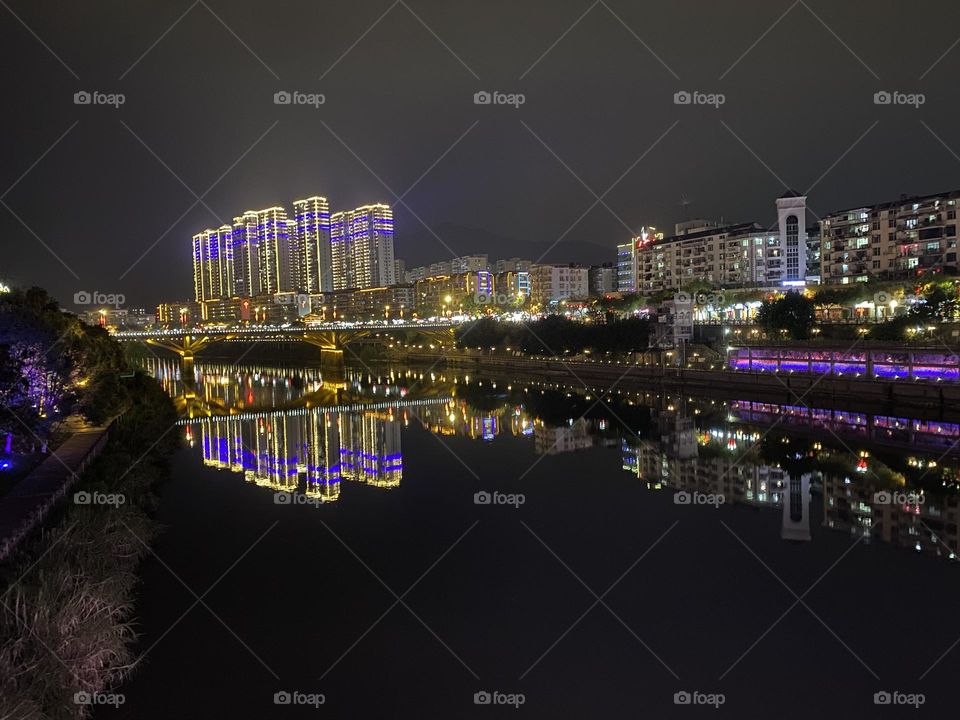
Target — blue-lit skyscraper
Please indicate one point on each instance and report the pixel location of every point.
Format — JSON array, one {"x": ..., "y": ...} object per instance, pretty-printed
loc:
[
  {"x": 213, "y": 264},
  {"x": 274, "y": 251},
  {"x": 246, "y": 259},
  {"x": 310, "y": 245},
  {"x": 361, "y": 247}
]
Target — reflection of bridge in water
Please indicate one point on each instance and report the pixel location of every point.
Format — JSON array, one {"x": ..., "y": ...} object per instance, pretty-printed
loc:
[
  {"x": 294, "y": 430},
  {"x": 214, "y": 390}
]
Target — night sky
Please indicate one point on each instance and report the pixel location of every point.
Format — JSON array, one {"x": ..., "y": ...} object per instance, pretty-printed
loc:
[{"x": 114, "y": 201}]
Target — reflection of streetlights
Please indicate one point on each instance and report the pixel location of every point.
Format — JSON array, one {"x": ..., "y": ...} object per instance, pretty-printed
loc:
[{"x": 386, "y": 312}]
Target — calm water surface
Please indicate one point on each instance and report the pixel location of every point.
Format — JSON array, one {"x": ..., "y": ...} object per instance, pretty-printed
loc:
[{"x": 397, "y": 541}]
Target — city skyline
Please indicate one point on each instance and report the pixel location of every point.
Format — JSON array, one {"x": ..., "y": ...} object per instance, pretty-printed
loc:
[
  {"x": 427, "y": 359},
  {"x": 266, "y": 252},
  {"x": 155, "y": 158},
  {"x": 303, "y": 259}
]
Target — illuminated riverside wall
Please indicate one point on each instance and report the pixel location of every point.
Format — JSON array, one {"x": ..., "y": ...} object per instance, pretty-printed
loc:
[{"x": 898, "y": 364}]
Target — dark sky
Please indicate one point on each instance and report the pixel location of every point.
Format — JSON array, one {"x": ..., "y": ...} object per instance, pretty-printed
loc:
[{"x": 201, "y": 96}]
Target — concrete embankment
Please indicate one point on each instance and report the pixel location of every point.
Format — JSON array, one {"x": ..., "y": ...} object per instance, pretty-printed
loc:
[
  {"x": 26, "y": 505},
  {"x": 811, "y": 390}
]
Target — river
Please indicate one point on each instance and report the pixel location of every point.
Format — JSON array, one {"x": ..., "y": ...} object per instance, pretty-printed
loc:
[{"x": 403, "y": 542}]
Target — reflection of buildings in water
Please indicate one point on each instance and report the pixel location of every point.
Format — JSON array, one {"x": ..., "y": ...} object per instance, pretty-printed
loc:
[
  {"x": 482, "y": 427},
  {"x": 370, "y": 449},
  {"x": 550, "y": 440},
  {"x": 710, "y": 463},
  {"x": 796, "y": 508},
  {"x": 902, "y": 517},
  {"x": 521, "y": 424},
  {"x": 222, "y": 388},
  {"x": 459, "y": 419},
  {"x": 914, "y": 521},
  {"x": 276, "y": 450},
  {"x": 932, "y": 435},
  {"x": 712, "y": 474},
  {"x": 860, "y": 506},
  {"x": 677, "y": 435},
  {"x": 239, "y": 388}
]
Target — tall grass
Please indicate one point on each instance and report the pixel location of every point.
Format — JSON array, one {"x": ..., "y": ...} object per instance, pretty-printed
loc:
[{"x": 67, "y": 621}]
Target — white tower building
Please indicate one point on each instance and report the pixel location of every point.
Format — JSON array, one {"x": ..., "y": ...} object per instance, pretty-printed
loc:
[{"x": 792, "y": 219}]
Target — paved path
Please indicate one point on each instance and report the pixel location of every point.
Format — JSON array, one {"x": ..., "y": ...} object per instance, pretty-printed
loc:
[{"x": 29, "y": 501}]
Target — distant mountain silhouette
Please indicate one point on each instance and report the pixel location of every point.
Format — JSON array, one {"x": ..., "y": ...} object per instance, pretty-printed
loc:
[{"x": 421, "y": 248}]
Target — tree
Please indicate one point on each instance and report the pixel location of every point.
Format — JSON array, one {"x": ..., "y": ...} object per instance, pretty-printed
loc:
[
  {"x": 793, "y": 312},
  {"x": 938, "y": 304},
  {"x": 51, "y": 362}
]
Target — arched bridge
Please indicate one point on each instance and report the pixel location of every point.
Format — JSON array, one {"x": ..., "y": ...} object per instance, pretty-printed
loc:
[{"x": 330, "y": 338}]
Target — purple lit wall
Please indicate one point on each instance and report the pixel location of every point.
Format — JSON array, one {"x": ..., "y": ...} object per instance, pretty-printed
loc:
[{"x": 885, "y": 365}]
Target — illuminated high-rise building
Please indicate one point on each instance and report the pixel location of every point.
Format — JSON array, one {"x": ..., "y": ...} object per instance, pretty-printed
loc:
[
  {"x": 246, "y": 259},
  {"x": 274, "y": 252},
  {"x": 627, "y": 273},
  {"x": 310, "y": 245},
  {"x": 213, "y": 264},
  {"x": 361, "y": 247}
]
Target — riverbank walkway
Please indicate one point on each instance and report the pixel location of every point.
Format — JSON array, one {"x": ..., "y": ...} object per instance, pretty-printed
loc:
[{"x": 31, "y": 499}]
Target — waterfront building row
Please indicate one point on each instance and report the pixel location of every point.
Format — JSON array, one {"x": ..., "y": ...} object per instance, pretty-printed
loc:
[{"x": 267, "y": 251}]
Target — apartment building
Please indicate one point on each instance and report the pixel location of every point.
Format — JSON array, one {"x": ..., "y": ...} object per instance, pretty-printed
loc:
[
  {"x": 903, "y": 239},
  {"x": 365, "y": 304},
  {"x": 552, "y": 283},
  {"x": 739, "y": 255},
  {"x": 603, "y": 279}
]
